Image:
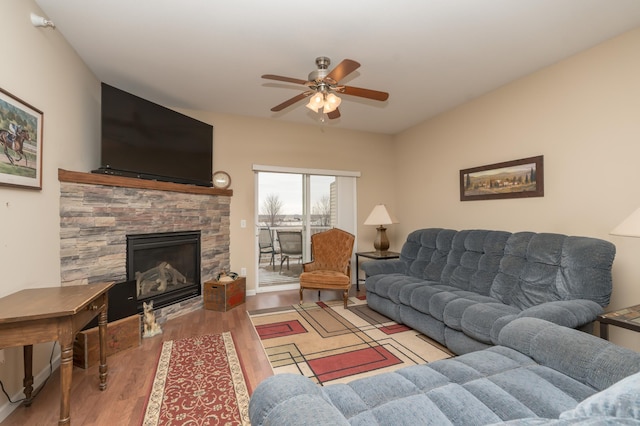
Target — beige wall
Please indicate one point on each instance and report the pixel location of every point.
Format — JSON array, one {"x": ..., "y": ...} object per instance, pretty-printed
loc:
[
  {"x": 583, "y": 115},
  {"x": 240, "y": 142},
  {"x": 40, "y": 68}
]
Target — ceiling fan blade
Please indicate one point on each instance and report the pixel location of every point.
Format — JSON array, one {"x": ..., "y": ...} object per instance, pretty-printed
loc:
[
  {"x": 334, "y": 114},
  {"x": 291, "y": 101},
  {"x": 342, "y": 70},
  {"x": 287, "y": 79},
  {"x": 363, "y": 93}
]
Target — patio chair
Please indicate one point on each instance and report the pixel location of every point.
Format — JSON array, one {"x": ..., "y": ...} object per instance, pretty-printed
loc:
[
  {"x": 331, "y": 265},
  {"x": 290, "y": 246},
  {"x": 265, "y": 243}
]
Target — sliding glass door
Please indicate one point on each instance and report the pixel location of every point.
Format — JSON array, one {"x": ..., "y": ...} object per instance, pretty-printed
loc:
[{"x": 292, "y": 206}]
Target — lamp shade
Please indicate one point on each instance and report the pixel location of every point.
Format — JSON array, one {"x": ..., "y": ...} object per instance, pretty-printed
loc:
[
  {"x": 630, "y": 227},
  {"x": 380, "y": 216}
]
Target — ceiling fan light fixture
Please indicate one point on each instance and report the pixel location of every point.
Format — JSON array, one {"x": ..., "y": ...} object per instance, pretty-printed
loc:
[
  {"x": 316, "y": 102},
  {"x": 317, "y": 99},
  {"x": 321, "y": 85},
  {"x": 331, "y": 103},
  {"x": 313, "y": 107}
]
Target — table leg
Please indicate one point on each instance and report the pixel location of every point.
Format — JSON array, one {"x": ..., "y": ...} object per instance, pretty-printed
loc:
[
  {"x": 66, "y": 371},
  {"x": 604, "y": 331},
  {"x": 357, "y": 274},
  {"x": 27, "y": 382},
  {"x": 102, "y": 333}
]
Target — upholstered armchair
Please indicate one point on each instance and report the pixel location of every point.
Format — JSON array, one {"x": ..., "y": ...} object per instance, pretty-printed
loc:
[{"x": 331, "y": 265}]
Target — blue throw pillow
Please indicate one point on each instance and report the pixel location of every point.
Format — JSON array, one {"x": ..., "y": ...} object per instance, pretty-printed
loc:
[{"x": 619, "y": 400}]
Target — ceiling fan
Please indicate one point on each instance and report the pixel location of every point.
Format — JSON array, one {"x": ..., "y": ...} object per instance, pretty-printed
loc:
[{"x": 323, "y": 86}]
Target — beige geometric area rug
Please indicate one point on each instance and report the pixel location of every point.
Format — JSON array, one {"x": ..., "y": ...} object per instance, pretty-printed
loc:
[
  {"x": 199, "y": 381},
  {"x": 330, "y": 344}
]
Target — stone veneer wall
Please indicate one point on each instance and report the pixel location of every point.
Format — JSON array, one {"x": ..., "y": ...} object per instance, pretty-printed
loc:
[{"x": 95, "y": 219}]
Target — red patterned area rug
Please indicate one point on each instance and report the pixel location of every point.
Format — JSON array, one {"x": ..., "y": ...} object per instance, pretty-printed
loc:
[
  {"x": 199, "y": 381},
  {"x": 330, "y": 344}
]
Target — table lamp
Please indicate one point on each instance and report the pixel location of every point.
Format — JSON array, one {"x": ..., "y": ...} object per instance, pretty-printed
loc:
[
  {"x": 380, "y": 216},
  {"x": 630, "y": 227}
]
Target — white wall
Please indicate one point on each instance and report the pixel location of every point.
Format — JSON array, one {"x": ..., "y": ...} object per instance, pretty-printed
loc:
[
  {"x": 583, "y": 115},
  {"x": 39, "y": 67}
]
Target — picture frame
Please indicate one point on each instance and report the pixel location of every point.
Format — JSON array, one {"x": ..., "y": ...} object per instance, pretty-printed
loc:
[
  {"x": 521, "y": 178},
  {"x": 20, "y": 143}
]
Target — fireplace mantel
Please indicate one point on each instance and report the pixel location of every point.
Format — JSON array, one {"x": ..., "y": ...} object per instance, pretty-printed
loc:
[{"x": 127, "y": 182}]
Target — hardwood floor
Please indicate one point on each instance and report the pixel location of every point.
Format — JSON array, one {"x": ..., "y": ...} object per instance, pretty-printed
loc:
[{"x": 131, "y": 371}]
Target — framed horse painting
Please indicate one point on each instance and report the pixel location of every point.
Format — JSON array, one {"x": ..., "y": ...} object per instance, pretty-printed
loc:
[{"x": 20, "y": 143}]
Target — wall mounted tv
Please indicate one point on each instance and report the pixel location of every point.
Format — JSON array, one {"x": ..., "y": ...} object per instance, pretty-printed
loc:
[{"x": 145, "y": 140}]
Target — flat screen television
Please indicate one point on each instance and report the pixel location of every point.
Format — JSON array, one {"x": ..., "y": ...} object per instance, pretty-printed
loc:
[{"x": 145, "y": 140}]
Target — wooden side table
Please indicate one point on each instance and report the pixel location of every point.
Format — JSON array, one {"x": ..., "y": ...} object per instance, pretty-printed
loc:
[
  {"x": 376, "y": 255},
  {"x": 628, "y": 318},
  {"x": 50, "y": 314}
]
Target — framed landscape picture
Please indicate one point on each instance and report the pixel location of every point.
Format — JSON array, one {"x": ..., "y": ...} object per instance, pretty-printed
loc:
[
  {"x": 20, "y": 143},
  {"x": 511, "y": 179}
]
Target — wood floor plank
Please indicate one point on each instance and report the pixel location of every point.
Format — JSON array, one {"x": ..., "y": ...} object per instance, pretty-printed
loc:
[{"x": 131, "y": 371}]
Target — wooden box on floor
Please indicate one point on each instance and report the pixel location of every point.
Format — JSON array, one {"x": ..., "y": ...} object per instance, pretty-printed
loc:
[
  {"x": 222, "y": 296},
  {"x": 121, "y": 334}
]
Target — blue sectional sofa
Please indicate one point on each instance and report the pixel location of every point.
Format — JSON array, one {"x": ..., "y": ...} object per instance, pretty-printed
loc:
[
  {"x": 461, "y": 288},
  {"x": 540, "y": 373}
]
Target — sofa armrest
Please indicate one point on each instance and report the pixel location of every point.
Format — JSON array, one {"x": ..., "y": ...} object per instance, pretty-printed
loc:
[
  {"x": 292, "y": 399},
  {"x": 377, "y": 267},
  {"x": 584, "y": 357},
  {"x": 569, "y": 313}
]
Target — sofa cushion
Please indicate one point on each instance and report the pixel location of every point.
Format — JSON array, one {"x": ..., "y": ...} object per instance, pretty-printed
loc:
[
  {"x": 295, "y": 389},
  {"x": 420, "y": 297},
  {"x": 477, "y": 388},
  {"x": 586, "y": 260},
  {"x": 478, "y": 320},
  {"x": 474, "y": 260},
  {"x": 540, "y": 268},
  {"x": 577, "y": 354},
  {"x": 388, "y": 286},
  {"x": 453, "y": 311},
  {"x": 426, "y": 252}
]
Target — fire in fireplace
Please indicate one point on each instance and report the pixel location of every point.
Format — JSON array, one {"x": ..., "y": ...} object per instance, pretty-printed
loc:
[{"x": 164, "y": 266}]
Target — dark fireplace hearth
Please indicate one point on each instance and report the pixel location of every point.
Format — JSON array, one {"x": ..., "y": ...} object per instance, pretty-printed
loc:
[{"x": 164, "y": 266}]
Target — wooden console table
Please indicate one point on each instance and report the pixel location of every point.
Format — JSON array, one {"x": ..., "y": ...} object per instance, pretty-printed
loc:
[{"x": 54, "y": 313}]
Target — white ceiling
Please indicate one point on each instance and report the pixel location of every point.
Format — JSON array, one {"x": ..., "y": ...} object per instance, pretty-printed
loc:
[{"x": 430, "y": 55}]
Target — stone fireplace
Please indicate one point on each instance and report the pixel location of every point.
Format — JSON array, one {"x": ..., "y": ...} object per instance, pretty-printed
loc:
[{"x": 99, "y": 214}]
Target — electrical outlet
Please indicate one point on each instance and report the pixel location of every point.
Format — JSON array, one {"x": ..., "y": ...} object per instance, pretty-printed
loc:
[
  {"x": 243, "y": 272},
  {"x": 243, "y": 223}
]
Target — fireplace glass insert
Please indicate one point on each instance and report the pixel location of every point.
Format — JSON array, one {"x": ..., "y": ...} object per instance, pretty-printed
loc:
[{"x": 165, "y": 266}]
